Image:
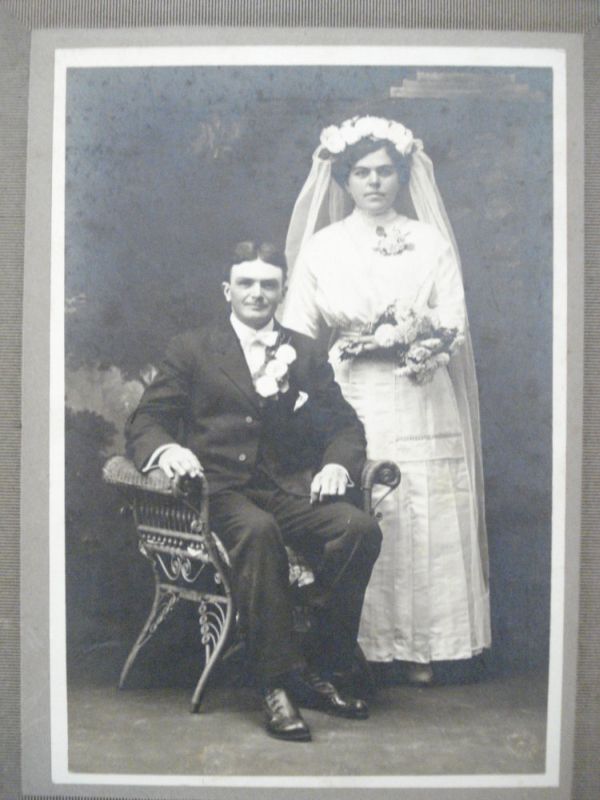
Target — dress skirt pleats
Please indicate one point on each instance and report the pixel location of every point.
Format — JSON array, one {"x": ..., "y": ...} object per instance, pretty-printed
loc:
[{"x": 427, "y": 599}]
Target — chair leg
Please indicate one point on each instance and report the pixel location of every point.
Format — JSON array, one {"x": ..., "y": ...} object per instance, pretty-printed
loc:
[
  {"x": 216, "y": 620},
  {"x": 164, "y": 602}
]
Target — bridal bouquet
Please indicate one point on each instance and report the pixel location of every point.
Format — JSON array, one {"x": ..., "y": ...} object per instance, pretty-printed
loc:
[{"x": 413, "y": 341}]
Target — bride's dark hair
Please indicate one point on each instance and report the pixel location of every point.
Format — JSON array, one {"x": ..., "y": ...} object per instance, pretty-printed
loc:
[{"x": 343, "y": 163}]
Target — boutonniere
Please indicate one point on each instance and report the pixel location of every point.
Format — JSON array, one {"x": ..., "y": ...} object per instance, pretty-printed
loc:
[
  {"x": 273, "y": 378},
  {"x": 392, "y": 242}
]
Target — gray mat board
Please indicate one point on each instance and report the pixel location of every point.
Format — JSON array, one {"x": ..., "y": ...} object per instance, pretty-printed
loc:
[{"x": 13, "y": 67}]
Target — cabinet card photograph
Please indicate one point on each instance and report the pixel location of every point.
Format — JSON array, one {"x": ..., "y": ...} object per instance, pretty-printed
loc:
[{"x": 309, "y": 417}]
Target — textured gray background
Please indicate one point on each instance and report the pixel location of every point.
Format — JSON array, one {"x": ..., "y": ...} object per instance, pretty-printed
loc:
[{"x": 14, "y": 75}]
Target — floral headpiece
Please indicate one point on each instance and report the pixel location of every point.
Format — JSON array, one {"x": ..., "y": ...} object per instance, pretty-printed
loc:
[{"x": 336, "y": 139}]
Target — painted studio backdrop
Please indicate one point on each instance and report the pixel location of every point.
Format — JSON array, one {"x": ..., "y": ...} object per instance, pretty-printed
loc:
[{"x": 167, "y": 167}]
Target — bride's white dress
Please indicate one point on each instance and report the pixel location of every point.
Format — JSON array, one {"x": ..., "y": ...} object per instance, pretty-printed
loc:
[{"x": 428, "y": 597}]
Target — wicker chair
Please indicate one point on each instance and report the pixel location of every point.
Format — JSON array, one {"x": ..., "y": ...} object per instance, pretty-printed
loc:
[{"x": 188, "y": 559}]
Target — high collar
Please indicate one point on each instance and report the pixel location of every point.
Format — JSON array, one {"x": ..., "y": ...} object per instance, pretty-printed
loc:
[
  {"x": 244, "y": 332},
  {"x": 373, "y": 222}
]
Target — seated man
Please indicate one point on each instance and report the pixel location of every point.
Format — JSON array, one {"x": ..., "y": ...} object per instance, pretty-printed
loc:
[{"x": 255, "y": 407}]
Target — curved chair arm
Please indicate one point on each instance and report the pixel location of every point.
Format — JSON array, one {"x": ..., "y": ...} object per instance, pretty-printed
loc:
[{"x": 382, "y": 472}]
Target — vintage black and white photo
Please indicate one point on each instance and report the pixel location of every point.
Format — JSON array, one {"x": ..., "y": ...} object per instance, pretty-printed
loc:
[{"x": 332, "y": 284}]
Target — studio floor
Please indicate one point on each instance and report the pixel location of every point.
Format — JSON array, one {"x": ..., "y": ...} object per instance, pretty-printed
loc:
[{"x": 493, "y": 726}]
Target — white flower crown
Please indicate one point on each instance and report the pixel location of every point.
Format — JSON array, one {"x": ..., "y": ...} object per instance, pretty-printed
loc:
[{"x": 335, "y": 139}]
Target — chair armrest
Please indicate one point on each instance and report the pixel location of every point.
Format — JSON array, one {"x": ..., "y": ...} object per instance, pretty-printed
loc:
[
  {"x": 381, "y": 472},
  {"x": 121, "y": 471},
  {"x": 183, "y": 493},
  {"x": 191, "y": 493}
]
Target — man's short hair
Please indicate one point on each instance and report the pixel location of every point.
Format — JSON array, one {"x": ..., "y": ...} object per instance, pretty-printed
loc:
[{"x": 250, "y": 250}]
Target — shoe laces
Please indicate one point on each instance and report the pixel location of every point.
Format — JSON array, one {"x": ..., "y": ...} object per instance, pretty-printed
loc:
[
  {"x": 319, "y": 683},
  {"x": 275, "y": 700}
]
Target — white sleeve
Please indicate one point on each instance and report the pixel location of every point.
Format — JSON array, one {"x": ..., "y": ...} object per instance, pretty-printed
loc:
[
  {"x": 301, "y": 312},
  {"x": 448, "y": 298}
]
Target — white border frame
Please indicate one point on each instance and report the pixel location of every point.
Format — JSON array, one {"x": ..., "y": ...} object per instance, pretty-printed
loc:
[{"x": 308, "y": 55}]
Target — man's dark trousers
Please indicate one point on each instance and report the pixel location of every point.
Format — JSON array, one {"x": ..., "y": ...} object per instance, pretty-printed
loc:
[
  {"x": 258, "y": 456},
  {"x": 339, "y": 541}
]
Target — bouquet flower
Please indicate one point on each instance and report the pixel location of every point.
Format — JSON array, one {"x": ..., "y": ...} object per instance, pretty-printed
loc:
[
  {"x": 272, "y": 379},
  {"x": 413, "y": 341}
]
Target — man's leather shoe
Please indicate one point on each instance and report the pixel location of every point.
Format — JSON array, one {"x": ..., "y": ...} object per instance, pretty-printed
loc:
[
  {"x": 359, "y": 681},
  {"x": 312, "y": 691},
  {"x": 282, "y": 718}
]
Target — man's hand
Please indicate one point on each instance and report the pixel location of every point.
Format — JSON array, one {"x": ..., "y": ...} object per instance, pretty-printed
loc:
[
  {"x": 177, "y": 460},
  {"x": 331, "y": 481}
]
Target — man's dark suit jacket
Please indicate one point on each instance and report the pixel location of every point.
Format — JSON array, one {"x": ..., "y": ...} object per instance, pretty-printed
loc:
[{"x": 204, "y": 399}]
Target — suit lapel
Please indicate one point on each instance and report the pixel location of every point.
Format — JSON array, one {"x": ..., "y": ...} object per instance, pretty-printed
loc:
[{"x": 232, "y": 362}]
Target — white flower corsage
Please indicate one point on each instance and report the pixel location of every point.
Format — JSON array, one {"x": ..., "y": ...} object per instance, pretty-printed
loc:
[
  {"x": 393, "y": 241},
  {"x": 266, "y": 386},
  {"x": 273, "y": 378}
]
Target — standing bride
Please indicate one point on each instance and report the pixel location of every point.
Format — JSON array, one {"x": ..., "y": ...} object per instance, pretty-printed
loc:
[{"x": 388, "y": 292}]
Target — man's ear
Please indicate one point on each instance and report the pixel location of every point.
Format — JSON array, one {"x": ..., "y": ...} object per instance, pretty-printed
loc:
[
  {"x": 226, "y": 286},
  {"x": 284, "y": 289}
]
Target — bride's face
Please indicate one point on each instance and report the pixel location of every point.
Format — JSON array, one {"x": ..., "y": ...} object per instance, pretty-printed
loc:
[{"x": 373, "y": 183}]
